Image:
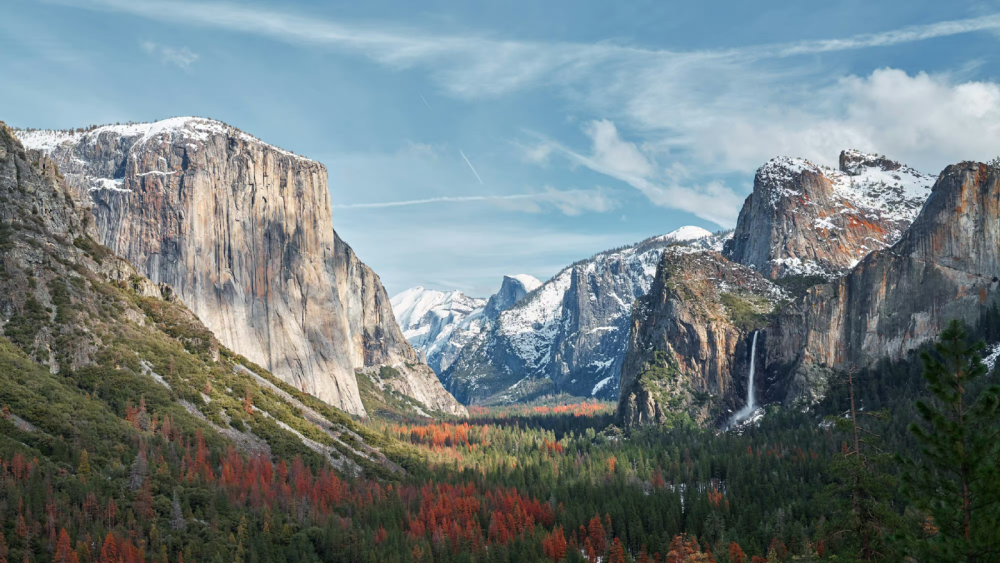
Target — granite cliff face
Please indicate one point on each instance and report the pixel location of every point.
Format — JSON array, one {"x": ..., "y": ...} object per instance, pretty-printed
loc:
[
  {"x": 911, "y": 262},
  {"x": 689, "y": 340},
  {"x": 945, "y": 267},
  {"x": 97, "y": 324},
  {"x": 570, "y": 334},
  {"x": 242, "y": 233},
  {"x": 512, "y": 291},
  {"x": 803, "y": 219}
]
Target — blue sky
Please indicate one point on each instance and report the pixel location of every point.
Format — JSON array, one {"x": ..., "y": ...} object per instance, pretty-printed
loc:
[{"x": 465, "y": 141}]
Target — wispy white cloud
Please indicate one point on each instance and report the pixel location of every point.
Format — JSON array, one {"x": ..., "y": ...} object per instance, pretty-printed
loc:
[
  {"x": 615, "y": 157},
  {"x": 182, "y": 57},
  {"x": 925, "y": 120},
  {"x": 884, "y": 39},
  {"x": 722, "y": 110},
  {"x": 569, "y": 202},
  {"x": 478, "y": 65}
]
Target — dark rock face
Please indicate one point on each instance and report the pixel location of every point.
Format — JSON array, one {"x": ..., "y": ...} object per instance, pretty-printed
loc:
[
  {"x": 813, "y": 220},
  {"x": 570, "y": 334},
  {"x": 512, "y": 290},
  {"x": 688, "y": 348},
  {"x": 945, "y": 267},
  {"x": 242, "y": 232}
]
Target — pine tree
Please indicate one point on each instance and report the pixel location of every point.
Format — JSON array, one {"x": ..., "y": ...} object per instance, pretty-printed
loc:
[
  {"x": 863, "y": 516},
  {"x": 84, "y": 466},
  {"x": 137, "y": 475},
  {"x": 177, "y": 521},
  {"x": 954, "y": 478}
]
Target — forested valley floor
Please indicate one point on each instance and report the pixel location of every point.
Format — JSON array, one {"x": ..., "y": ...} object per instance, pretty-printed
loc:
[{"x": 546, "y": 482}]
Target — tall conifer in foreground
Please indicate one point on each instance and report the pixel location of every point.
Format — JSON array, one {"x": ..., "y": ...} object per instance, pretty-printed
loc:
[
  {"x": 954, "y": 479},
  {"x": 863, "y": 516}
]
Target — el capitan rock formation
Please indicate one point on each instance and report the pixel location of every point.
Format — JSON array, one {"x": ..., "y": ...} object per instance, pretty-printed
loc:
[{"x": 242, "y": 232}]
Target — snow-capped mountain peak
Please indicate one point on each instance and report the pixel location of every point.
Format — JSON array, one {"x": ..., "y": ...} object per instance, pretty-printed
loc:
[
  {"x": 530, "y": 283},
  {"x": 809, "y": 219},
  {"x": 685, "y": 234},
  {"x": 440, "y": 323}
]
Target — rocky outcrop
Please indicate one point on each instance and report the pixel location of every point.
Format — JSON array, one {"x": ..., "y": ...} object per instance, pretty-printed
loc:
[
  {"x": 689, "y": 340},
  {"x": 242, "y": 233},
  {"x": 570, "y": 334},
  {"x": 804, "y": 219},
  {"x": 512, "y": 290},
  {"x": 945, "y": 267}
]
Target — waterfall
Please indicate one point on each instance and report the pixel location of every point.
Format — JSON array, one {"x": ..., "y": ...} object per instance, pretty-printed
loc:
[{"x": 751, "y": 405}]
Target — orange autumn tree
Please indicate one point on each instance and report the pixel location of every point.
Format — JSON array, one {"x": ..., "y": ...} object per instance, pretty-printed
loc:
[
  {"x": 596, "y": 535},
  {"x": 685, "y": 549},
  {"x": 554, "y": 545},
  {"x": 617, "y": 554},
  {"x": 736, "y": 554}
]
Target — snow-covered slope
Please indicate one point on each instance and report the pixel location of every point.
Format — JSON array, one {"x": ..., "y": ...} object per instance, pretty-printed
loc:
[
  {"x": 438, "y": 323},
  {"x": 806, "y": 219},
  {"x": 193, "y": 129},
  {"x": 570, "y": 334}
]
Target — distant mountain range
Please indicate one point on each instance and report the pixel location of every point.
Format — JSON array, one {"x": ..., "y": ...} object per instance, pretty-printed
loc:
[
  {"x": 566, "y": 335},
  {"x": 439, "y": 323}
]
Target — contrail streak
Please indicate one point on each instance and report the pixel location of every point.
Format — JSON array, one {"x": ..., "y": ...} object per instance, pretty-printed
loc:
[
  {"x": 425, "y": 101},
  {"x": 439, "y": 200},
  {"x": 470, "y": 166}
]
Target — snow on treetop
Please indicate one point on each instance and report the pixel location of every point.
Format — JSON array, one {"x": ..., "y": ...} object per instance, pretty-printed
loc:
[{"x": 191, "y": 128}]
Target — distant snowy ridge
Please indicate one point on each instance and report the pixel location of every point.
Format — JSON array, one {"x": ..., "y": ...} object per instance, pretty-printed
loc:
[
  {"x": 573, "y": 329},
  {"x": 437, "y": 323},
  {"x": 440, "y": 323}
]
